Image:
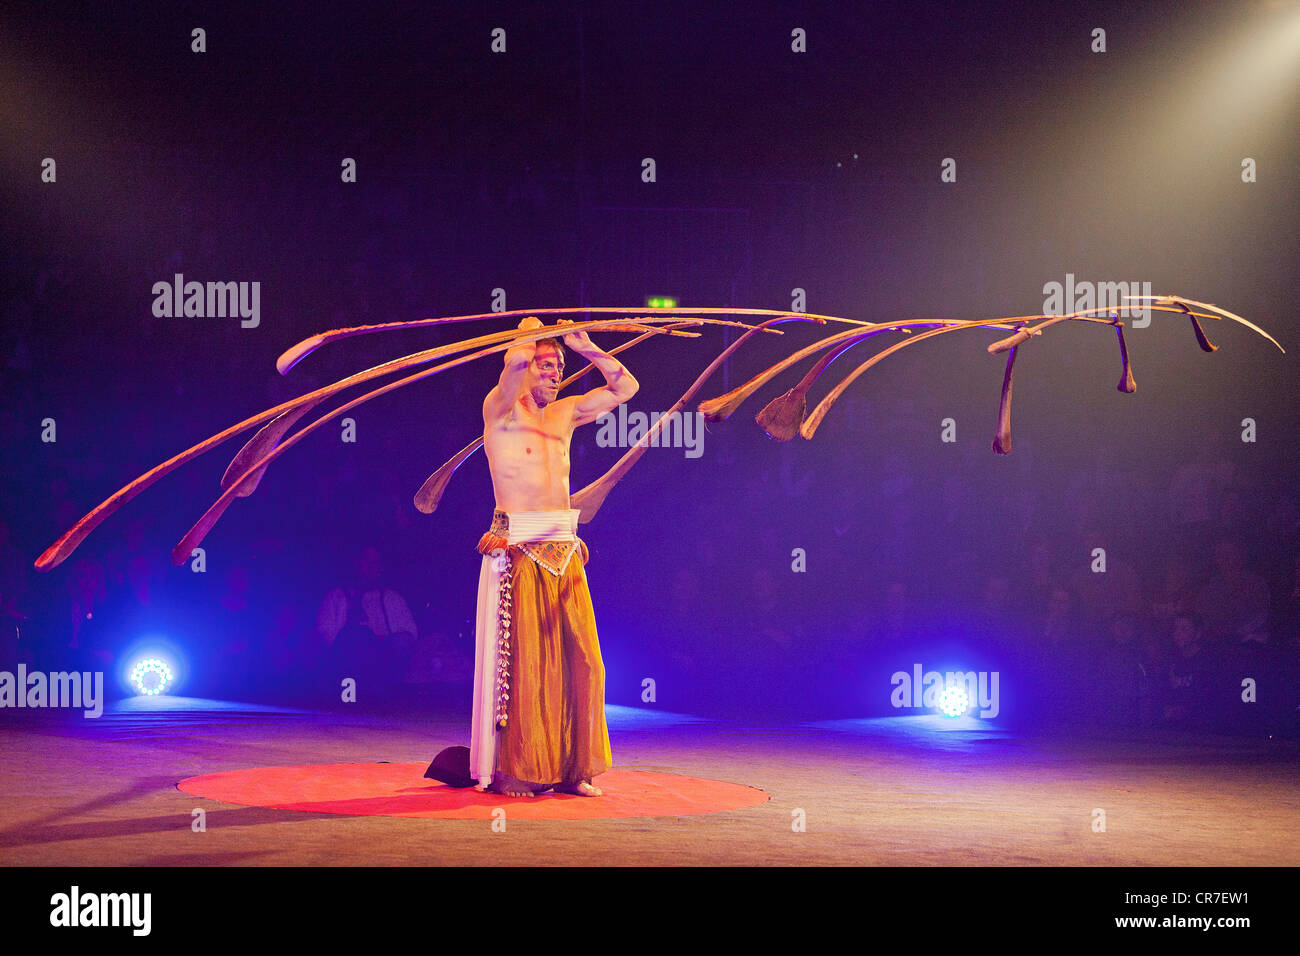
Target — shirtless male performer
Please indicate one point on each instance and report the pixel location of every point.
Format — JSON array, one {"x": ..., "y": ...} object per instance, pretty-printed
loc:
[{"x": 539, "y": 683}]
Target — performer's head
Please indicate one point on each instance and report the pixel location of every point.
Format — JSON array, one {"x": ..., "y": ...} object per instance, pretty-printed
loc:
[
  {"x": 369, "y": 565},
  {"x": 544, "y": 375}
]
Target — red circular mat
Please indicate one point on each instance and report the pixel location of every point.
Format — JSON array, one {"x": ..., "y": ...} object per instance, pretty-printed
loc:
[{"x": 402, "y": 790}]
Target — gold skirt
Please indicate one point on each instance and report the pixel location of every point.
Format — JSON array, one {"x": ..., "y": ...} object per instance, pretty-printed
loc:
[{"x": 555, "y": 718}]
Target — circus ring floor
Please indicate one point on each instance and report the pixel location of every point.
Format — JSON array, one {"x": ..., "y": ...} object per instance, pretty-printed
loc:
[{"x": 280, "y": 786}]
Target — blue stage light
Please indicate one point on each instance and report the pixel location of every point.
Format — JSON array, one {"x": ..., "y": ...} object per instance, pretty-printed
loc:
[
  {"x": 151, "y": 676},
  {"x": 954, "y": 702},
  {"x": 133, "y": 666}
]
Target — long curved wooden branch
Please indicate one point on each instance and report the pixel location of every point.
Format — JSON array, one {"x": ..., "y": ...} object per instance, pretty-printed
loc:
[
  {"x": 431, "y": 492},
  {"x": 1160, "y": 303},
  {"x": 1126, "y": 382},
  {"x": 199, "y": 531},
  {"x": 296, "y": 353},
  {"x": 1167, "y": 304},
  {"x": 269, "y": 436},
  {"x": 779, "y": 418},
  {"x": 783, "y": 416},
  {"x": 724, "y": 406},
  {"x": 68, "y": 542},
  {"x": 1002, "y": 440},
  {"x": 1182, "y": 302},
  {"x": 814, "y": 419},
  {"x": 590, "y": 498}
]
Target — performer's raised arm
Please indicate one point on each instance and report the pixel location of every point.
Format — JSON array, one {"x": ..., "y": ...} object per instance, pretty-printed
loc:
[
  {"x": 518, "y": 358},
  {"x": 619, "y": 385}
]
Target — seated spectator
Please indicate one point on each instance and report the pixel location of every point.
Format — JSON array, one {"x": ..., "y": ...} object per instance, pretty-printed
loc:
[
  {"x": 1174, "y": 596},
  {"x": 1123, "y": 674},
  {"x": 1234, "y": 602},
  {"x": 1100, "y": 596},
  {"x": 367, "y": 626},
  {"x": 1186, "y": 680}
]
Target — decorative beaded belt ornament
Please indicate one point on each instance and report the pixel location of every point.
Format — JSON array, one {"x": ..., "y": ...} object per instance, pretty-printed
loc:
[
  {"x": 502, "y": 565},
  {"x": 552, "y": 556}
]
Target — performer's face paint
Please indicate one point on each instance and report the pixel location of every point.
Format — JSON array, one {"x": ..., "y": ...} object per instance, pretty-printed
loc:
[{"x": 545, "y": 374}]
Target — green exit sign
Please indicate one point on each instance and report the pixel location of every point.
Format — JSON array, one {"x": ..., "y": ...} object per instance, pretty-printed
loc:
[{"x": 660, "y": 302}]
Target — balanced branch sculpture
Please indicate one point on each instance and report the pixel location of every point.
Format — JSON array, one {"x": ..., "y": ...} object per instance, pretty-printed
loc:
[{"x": 781, "y": 418}]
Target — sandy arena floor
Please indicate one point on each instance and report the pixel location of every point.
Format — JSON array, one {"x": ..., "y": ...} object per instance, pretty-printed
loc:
[{"x": 898, "y": 791}]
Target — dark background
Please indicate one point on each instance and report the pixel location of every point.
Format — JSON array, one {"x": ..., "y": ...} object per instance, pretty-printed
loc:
[{"x": 775, "y": 171}]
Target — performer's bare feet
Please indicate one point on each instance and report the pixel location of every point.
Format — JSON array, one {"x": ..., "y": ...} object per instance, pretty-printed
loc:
[
  {"x": 582, "y": 788},
  {"x": 508, "y": 786}
]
